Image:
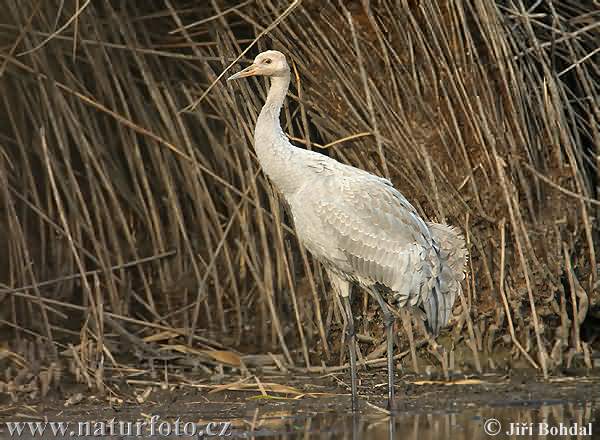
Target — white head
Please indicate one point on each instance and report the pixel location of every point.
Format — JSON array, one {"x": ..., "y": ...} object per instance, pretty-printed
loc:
[{"x": 268, "y": 63}]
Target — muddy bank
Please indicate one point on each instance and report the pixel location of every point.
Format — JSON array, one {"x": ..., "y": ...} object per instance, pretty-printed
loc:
[{"x": 319, "y": 405}]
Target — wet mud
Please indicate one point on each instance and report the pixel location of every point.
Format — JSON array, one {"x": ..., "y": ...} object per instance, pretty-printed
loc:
[{"x": 467, "y": 407}]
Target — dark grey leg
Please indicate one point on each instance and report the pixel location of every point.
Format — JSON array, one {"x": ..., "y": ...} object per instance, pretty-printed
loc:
[
  {"x": 352, "y": 349},
  {"x": 388, "y": 320}
]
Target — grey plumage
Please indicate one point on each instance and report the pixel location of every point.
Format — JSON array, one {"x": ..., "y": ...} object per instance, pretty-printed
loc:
[
  {"x": 363, "y": 229},
  {"x": 357, "y": 224}
]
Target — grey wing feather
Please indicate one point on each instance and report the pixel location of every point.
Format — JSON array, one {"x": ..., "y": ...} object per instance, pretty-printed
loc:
[
  {"x": 381, "y": 234},
  {"x": 370, "y": 233},
  {"x": 453, "y": 256}
]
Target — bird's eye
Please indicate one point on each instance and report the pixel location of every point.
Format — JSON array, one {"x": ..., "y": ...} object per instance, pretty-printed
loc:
[{"x": 267, "y": 61}]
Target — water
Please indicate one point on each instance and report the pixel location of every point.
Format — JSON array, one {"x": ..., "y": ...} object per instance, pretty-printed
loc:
[
  {"x": 490, "y": 407},
  {"x": 500, "y": 420}
]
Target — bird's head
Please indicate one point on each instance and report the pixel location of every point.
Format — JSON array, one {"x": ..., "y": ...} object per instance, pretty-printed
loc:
[{"x": 268, "y": 63}]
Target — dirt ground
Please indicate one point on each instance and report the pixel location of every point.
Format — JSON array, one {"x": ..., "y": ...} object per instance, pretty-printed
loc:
[{"x": 320, "y": 405}]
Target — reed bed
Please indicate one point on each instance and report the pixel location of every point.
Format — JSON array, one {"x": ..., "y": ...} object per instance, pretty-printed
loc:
[{"x": 135, "y": 222}]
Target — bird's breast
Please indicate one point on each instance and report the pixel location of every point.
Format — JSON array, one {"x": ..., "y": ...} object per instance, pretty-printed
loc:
[{"x": 316, "y": 235}]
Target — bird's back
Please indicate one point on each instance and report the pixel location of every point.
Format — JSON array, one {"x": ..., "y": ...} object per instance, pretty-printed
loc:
[{"x": 362, "y": 228}]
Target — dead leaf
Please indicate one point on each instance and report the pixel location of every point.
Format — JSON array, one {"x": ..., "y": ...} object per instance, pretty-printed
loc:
[
  {"x": 454, "y": 382},
  {"x": 74, "y": 399},
  {"x": 277, "y": 388},
  {"x": 161, "y": 336},
  {"x": 228, "y": 386},
  {"x": 141, "y": 398},
  {"x": 224, "y": 357},
  {"x": 220, "y": 356},
  {"x": 182, "y": 349},
  {"x": 264, "y": 387}
]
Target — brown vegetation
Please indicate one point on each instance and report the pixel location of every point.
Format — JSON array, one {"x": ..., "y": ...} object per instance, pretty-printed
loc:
[{"x": 132, "y": 205}]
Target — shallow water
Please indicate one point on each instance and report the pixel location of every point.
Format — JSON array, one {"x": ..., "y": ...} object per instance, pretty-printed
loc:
[
  {"x": 550, "y": 419},
  {"x": 486, "y": 407},
  {"x": 498, "y": 420}
]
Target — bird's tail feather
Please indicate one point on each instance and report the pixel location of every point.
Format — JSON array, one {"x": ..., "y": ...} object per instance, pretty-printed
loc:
[
  {"x": 446, "y": 285},
  {"x": 438, "y": 307}
]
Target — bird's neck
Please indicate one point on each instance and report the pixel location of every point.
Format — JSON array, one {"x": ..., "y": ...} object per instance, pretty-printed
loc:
[
  {"x": 276, "y": 96},
  {"x": 268, "y": 130},
  {"x": 275, "y": 153}
]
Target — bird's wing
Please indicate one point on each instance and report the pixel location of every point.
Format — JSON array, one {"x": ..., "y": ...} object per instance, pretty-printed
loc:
[
  {"x": 380, "y": 232},
  {"x": 454, "y": 255}
]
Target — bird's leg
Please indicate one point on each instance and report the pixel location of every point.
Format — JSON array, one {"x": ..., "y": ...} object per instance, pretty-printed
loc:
[
  {"x": 388, "y": 320},
  {"x": 352, "y": 350},
  {"x": 355, "y": 426},
  {"x": 343, "y": 288}
]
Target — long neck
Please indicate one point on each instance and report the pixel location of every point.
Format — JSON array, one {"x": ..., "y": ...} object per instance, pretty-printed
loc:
[
  {"x": 275, "y": 153},
  {"x": 268, "y": 128},
  {"x": 276, "y": 96}
]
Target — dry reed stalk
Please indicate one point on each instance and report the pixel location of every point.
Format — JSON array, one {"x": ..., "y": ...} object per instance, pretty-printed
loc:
[{"x": 478, "y": 111}]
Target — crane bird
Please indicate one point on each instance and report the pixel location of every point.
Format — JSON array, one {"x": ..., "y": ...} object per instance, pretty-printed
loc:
[{"x": 357, "y": 225}]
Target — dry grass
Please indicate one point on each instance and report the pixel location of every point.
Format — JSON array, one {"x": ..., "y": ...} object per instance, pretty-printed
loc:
[{"x": 132, "y": 204}]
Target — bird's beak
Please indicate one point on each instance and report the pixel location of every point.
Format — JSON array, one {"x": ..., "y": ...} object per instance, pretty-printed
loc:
[{"x": 248, "y": 71}]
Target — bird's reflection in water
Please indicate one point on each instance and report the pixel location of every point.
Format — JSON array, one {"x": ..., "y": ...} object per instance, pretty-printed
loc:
[{"x": 509, "y": 420}]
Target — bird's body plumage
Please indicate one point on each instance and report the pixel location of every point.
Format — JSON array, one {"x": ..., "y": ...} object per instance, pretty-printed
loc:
[
  {"x": 363, "y": 229},
  {"x": 355, "y": 223}
]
